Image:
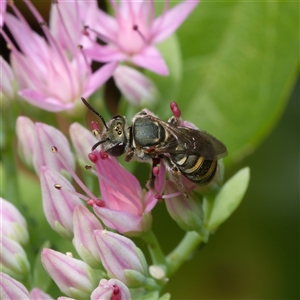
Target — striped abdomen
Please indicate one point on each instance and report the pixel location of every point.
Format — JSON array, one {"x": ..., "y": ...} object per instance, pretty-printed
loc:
[{"x": 196, "y": 168}]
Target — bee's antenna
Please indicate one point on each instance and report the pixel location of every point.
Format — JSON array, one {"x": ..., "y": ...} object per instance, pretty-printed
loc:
[
  {"x": 98, "y": 143},
  {"x": 94, "y": 111}
]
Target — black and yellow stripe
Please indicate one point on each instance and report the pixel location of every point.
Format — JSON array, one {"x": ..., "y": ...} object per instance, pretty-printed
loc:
[{"x": 196, "y": 168}]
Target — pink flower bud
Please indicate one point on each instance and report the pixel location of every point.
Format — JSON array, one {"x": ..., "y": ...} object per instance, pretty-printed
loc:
[
  {"x": 13, "y": 224},
  {"x": 112, "y": 289},
  {"x": 74, "y": 277},
  {"x": 26, "y": 136},
  {"x": 46, "y": 137},
  {"x": 119, "y": 255},
  {"x": 7, "y": 90},
  {"x": 59, "y": 203},
  {"x": 82, "y": 139},
  {"x": 37, "y": 294},
  {"x": 85, "y": 223},
  {"x": 12, "y": 289},
  {"x": 13, "y": 258},
  {"x": 135, "y": 86},
  {"x": 186, "y": 212}
]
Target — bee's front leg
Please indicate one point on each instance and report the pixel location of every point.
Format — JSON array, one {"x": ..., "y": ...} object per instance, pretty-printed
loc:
[{"x": 129, "y": 154}]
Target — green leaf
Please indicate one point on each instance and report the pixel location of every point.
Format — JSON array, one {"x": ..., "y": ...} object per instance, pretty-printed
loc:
[
  {"x": 240, "y": 63},
  {"x": 229, "y": 198}
]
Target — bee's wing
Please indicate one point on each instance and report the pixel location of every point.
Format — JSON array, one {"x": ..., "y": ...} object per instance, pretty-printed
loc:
[{"x": 191, "y": 141}]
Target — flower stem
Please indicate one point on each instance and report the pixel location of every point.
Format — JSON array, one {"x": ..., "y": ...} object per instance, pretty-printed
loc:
[
  {"x": 182, "y": 252},
  {"x": 157, "y": 256}
]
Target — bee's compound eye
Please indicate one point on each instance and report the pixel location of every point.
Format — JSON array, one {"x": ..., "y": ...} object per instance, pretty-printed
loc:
[{"x": 117, "y": 150}]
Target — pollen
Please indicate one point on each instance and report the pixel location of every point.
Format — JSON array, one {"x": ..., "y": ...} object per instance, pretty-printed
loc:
[
  {"x": 54, "y": 149},
  {"x": 57, "y": 186}
]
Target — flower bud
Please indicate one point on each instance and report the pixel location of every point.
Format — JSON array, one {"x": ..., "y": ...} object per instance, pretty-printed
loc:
[
  {"x": 59, "y": 203},
  {"x": 13, "y": 258},
  {"x": 111, "y": 289},
  {"x": 25, "y": 130},
  {"x": 186, "y": 212},
  {"x": 11, "y": 288},
  {"x": 82, "y": 139},
  {"x": 85, "y": 223},
  {"x": 37, "y": 294},
  {"x": 13, "y": 224},
  {"x": 46, "y": 137},
  {"x": 119, "y": 255},
  {"x": 74, "y": 277},
  {"x": 135, "y": 86}
]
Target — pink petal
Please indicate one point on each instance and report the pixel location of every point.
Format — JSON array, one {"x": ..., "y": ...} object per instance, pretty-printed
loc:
[
  {"x": 2, "y": 11},
  {"x": 82, "y": 140},
  {"x": 124, "y": 192},
  {"x": 43, "y": 101},
  {"x": 150, "y": 58},
  {"x": 106, "y": 25},
  {"x": 119, "y": 220},
  {"x": 104, "y": 53},
  {"x": 167, "y": 23},
  {"x": 98, "y": 78},
  {"x": 134, "y": 85}
]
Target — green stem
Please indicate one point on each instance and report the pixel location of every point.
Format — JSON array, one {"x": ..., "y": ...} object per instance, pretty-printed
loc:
[
  {"x": 182, "y": 252},
  {"x": 157, "y": 256}
]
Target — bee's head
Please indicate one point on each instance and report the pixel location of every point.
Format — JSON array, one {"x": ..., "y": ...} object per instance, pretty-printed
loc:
[{"x": 113, "y": 137}]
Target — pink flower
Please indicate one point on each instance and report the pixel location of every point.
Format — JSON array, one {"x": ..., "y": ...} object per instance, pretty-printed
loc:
[
  {"x": 134, "y": 32},
  {"x": 56, "y": 60},
  {"x": 127, "y": 209},
  {"x": 12, "y": 289},
  {"x": 111, "y": 289},
  {"x": 74, "y": 277}
]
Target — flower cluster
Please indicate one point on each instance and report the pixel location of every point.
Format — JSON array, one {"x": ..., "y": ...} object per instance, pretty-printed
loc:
[
  {"x": 90, "y": 201},
  {"x": 69, "y": 45}
]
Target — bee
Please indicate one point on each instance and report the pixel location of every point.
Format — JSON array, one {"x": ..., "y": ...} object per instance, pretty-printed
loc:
[{"x": 185, "y": 151}]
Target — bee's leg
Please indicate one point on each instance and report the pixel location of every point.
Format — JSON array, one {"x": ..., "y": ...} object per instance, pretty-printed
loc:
[
  {"x": 173, "y": 120},
  {"x": 176, "y": 175},
  {"x": 151, "y": 182},
  {"x": 129, "y": 154}
]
